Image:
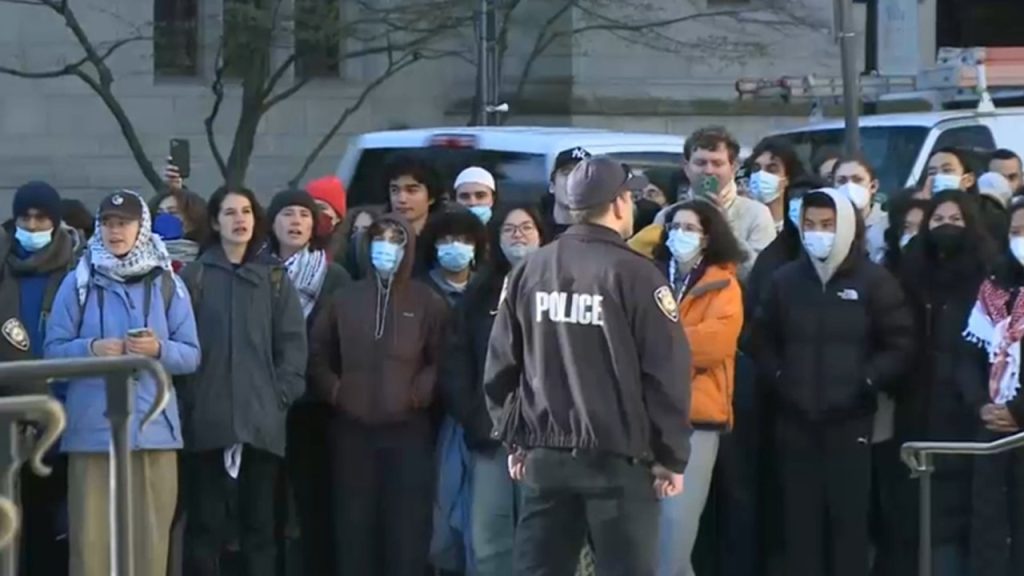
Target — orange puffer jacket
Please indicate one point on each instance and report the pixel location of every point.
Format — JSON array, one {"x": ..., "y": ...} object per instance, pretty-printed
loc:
[{"x": 712, "y": 315}]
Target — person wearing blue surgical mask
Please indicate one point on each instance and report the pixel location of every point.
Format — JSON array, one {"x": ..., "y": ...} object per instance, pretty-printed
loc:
[
  {"x": 453, "y": 243},
  {"x": 374, "y": 356},
  {"x": 36, "y": 253},
  {"x": 773, "y": 166},
  {"x": 475, "y": 189}
]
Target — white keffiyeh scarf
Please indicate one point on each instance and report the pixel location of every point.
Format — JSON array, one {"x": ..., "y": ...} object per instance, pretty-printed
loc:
[
  {"x": 147, "y": 254},
  {"x": 307, "y": 270}
]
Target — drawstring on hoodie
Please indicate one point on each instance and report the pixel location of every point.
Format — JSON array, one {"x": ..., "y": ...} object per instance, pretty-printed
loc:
[{"x": 384, "y": 290}]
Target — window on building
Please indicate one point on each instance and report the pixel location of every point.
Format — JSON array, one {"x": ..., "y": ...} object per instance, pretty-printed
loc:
[
  {"x": 247, "y": 36},
  {"x": 175, "y": 37},
  {"x": 318, "y": 38}
]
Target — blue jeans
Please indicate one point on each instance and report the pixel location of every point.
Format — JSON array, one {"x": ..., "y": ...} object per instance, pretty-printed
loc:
[
  {"x": 680, "y": 515},
  {"x": 495, "y": 511}
]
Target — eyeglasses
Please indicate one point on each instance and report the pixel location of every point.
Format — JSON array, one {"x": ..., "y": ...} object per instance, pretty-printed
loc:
[
  {"x": 685, "y": 228},
  {"x": 524, "y": 229}
]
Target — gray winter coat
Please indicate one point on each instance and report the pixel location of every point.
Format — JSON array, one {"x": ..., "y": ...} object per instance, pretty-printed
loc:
[{"x": 253, "y": 337}]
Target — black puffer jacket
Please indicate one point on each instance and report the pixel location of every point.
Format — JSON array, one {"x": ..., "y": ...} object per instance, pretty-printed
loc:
[
  {"x": 462, "y": 365},
  {"x": 831, "y": 348}
]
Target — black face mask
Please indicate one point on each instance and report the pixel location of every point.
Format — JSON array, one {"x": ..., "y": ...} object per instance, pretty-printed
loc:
[{"x": 948, "y": 238}]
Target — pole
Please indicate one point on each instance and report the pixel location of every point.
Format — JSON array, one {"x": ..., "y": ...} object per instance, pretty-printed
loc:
[
  {"x": 120, "y": 404},
  {"x": 871, "y": 48},
  {"x": 10, "y": 459},
  {"x": 851, "y": 87},
  {"x": 483, "y": 66},
  {"x": 925, "y": 518}
]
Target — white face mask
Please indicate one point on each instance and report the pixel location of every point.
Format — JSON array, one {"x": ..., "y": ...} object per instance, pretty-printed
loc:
[
  {"x": 819, "y": 244},
  {"x": 905, "y": 239},
  {"x": 683, "y": 245},
  {"x": 858, "y": 195},
  {"x": 764, "y": 186},
  {"x": 1017, "y": 248},
  {"x": 942, "y": 182}
]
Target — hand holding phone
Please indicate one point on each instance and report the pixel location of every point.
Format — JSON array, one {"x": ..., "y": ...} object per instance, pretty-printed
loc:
[
  {"x": 181, "y": 157},
  {"x": 140, "y": 333}
]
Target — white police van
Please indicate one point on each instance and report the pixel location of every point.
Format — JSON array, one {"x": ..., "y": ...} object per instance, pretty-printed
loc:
[{"x": 521, "y": 157}]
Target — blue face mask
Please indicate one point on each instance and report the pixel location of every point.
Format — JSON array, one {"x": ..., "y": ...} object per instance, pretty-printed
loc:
[
  {"x": 385, "y": 257},
  {"x": 481, "y": 212},
  {"x": 455, "y": 256},
  {"x": 795, "y": 206},
  {"x": 33, "y": 241}
]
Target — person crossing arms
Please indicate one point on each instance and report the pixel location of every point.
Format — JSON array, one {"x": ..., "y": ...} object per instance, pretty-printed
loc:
[{"x": 587, "y": 382}]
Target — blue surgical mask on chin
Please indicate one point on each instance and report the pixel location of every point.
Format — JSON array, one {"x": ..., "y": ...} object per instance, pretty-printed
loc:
[
  {"x": 482, "y": 212},
  {"x": 455, "y": 256},
  {"x": 385, "y": 257},
  {"x": 516, "y": 253},
  {"x": 33, "y": 241}
]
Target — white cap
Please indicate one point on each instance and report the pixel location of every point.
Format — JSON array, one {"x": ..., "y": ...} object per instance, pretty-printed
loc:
[
  {"x": 475, "y": 175},
  {"x": 995, "y": 185}
]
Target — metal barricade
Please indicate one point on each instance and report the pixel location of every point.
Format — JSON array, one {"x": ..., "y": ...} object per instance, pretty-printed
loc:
[
  {"x": 119, "y": 375},
  {"x": 918, "y": 457}
]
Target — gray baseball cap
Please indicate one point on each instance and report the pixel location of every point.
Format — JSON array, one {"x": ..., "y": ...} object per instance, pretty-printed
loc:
[{"x": 599, "y": 180}]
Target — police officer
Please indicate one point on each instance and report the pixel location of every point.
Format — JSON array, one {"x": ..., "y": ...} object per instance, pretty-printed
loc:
[{"x": 587, "y": 381}]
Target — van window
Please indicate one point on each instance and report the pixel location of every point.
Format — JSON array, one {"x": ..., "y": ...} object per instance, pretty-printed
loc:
[
  {"x": 972, "y": 138},
  {"x": 891, "y": 150},
  {"x": 520, "y": 177}
]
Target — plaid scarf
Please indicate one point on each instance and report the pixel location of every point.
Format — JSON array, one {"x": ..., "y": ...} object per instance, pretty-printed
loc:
[
  {"x": 307, "y": 270},
  {"x": 997, "y": 325},
  {"x": 147, "y": 254}
]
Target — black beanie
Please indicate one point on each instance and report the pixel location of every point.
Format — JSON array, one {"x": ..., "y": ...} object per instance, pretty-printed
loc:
[
  {"x": 39, "y": 196},
  {"x": 288, "y": 198}
]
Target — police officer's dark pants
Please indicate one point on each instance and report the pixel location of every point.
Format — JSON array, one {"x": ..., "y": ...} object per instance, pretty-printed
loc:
[
  {"x": 382, "y": 494},
  {"x": 567, "y": 496},
  {"x": 826, "y": 479},
  {"x": 215, "y": 500},
  {"x": 997, "y": 523}
]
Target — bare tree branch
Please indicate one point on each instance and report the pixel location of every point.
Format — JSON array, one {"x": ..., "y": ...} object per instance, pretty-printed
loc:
[
  {"x": 217, "y": 87},
  {"x": 394, "y": 67},
  {"x": 540, "y": 45}
]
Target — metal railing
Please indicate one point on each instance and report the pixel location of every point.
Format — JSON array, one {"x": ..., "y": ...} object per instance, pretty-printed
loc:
[
  {"x": 119, "y": 374},
  {"x": 918, "y": 457}
]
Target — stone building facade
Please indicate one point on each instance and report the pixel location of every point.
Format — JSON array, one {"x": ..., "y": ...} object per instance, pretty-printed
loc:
[{"x": 667, "y": 78}]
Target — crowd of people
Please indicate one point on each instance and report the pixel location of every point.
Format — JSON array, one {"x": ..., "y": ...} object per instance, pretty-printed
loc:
[{"x": 333, "y": 406}]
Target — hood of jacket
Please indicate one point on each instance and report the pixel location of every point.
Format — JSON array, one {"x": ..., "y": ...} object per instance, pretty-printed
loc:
[
  {"x": 846, "y": 234},
  {"x": 405, "y": 268}
]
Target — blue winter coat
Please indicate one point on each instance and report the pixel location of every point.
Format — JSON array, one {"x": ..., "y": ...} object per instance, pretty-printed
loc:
[{"x": 88, "y": 429}]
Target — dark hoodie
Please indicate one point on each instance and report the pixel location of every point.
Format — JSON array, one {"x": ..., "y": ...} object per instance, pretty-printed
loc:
[
  {"x": 831, "y": 334},
  {"x": 386, "y": 378}
]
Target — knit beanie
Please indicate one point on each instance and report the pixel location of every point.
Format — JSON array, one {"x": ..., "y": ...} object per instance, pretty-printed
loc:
[
  {"x": 329, "y": 189},
  {"x": 39, "y": 196},
  {"x": 288, "y": 198}
]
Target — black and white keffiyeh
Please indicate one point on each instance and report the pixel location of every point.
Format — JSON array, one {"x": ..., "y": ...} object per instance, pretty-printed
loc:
[
  {"x": 148, "y": 253},
  {"x": 307, "y": 270}
]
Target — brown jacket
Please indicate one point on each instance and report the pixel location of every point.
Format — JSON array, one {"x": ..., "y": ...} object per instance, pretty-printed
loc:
[{"x": 381, "y": 380}]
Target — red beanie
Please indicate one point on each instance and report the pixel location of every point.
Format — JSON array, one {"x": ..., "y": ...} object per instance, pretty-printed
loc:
[{"x": 329, "y": 189}]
